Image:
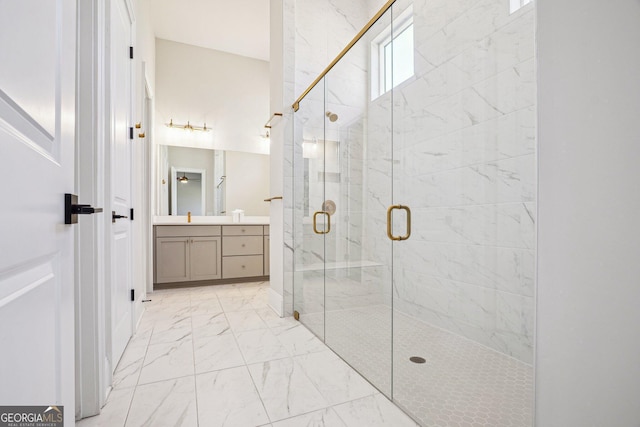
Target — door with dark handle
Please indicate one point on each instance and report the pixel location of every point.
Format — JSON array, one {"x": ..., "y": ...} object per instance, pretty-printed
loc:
[
  {"x": 72, "y": 209},
  {"x": 115, "y": 216}
]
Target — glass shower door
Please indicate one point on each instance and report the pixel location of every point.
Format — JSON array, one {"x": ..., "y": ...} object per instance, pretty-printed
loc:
[
  {"x": 464, "y": 162},
  {"x": 310, "y": 221},
  {"x": 357, "y": 152}
]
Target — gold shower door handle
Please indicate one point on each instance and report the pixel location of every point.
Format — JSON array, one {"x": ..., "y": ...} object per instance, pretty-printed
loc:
[
  {"x": 315, "y": 216},
  {"x": 390, "y": 224}
]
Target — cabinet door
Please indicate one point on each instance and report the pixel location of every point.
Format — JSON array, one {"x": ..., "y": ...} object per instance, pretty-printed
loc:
[
  {"x": 172, "y": 259},
  {"x": 266, "y": 255},
  {"x": 205, "y": 258}
]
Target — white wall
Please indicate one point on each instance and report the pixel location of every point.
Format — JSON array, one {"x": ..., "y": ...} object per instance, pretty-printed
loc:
[
  {"x": 229, "y": 93},
  {"x": 247, "y": 183},
  {"x": 588, "y": 346}
]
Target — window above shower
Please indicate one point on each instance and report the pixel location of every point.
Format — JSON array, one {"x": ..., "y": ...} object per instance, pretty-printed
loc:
[
  {"x": 392, "y": 55},
  {"x": 515, "y": 5}
]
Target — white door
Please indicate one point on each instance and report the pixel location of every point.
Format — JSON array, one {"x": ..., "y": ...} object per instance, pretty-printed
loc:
[
  {"x": 120, "y": 165},
  {"x": 37, "y": 118}
]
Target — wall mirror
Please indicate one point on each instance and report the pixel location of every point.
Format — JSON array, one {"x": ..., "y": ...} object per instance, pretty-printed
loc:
[{"x": 217, "y": 181}]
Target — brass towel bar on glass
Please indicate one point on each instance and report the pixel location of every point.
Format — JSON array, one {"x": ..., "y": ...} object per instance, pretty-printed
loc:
[
  {"x": 390, "y": 223},
  {"x": 315, "y": 228},
  {"x": 355, "y": 40},
  {"x": 273, "y": 198}
]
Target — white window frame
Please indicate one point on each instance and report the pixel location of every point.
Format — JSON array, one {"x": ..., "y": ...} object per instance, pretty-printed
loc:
[
  {"x": 515, "y": 5},
  {"x": 378, "y": 44}
]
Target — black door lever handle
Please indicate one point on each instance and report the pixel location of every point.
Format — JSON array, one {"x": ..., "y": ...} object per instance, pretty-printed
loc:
[
  {"x": 72, "y": 209},
  {"x": 114, "y": 216}
]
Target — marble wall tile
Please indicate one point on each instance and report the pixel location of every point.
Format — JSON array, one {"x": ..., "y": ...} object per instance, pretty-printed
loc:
[{"x": 229, "y": 398}]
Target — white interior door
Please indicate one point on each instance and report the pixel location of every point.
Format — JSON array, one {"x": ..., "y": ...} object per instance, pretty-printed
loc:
[
  {"x": 37, "y": 118},
  {"x": 120, "y": 165}
]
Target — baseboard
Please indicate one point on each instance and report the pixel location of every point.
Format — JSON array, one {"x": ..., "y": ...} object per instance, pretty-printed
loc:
[{"x": 275, "y": 301}]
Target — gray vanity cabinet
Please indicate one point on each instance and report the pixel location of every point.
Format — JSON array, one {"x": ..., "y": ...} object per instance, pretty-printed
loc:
[{"x": 186, "y": 253}]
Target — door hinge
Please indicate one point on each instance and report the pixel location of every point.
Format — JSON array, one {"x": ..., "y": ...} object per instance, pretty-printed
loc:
[
  {"x": 131, "y": 214},
  {"x": 133, "y": 294},
  {"x": 131, "y": 52},
  {"x": 130, "y": 133}
]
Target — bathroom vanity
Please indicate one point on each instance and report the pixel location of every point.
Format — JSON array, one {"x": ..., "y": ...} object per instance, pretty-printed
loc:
[{"x": 210, "y": 249}]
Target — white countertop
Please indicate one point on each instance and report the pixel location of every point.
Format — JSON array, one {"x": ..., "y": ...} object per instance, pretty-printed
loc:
[{"x": 208, "y": 220}]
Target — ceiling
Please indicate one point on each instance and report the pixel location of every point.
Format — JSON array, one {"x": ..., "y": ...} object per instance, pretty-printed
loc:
[{"x": 235, "y": 26}]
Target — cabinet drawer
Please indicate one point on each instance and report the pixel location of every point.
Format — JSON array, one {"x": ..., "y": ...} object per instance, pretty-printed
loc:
[
  {"x": 242, "y": 266},
  {"x": 242, "y": 230},
  {"x": 242, "y": 245},
  {"x": 187, "y": 230}
]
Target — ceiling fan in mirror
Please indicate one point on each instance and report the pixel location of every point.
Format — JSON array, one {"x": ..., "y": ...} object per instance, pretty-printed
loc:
[{"x": 184, "y": 179}]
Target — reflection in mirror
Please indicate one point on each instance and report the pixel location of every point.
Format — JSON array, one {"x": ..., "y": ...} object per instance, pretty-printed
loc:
[{"x": 188, "y": 189}]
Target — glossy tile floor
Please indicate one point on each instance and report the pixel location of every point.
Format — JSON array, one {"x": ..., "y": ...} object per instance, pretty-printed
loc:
[{"x": 218, "y": 356}]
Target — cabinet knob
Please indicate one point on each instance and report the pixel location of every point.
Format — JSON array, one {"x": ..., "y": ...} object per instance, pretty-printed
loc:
[
  {"x": 243, "y": 245},
  {"x": 243, "y": 267}
]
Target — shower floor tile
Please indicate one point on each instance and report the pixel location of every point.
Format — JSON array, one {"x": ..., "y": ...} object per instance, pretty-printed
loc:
[{"x": 460, "y": 383}]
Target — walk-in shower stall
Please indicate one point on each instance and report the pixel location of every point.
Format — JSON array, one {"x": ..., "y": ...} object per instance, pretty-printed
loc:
[{"x": 414, "y": 209}]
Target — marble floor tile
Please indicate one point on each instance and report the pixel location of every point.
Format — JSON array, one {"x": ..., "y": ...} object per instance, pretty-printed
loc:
[
  {"x": 273, "y": 320},
  {"x": 226, "y": 291},
  {"x": 209, "y": 325},
  {"x": 298, "y": 340},
  {"x": 198, "y": 359},
  {"x": 336, "y": 381},
  {"x": 206, "y": 306},
  {"x": 218, "y": 352},
  {"x": 373, "y": 411},
  {"x": 140, "y": 338},
  {"x": 114, "y": 413},
  {"x": 322, "y": 418},
  {"x": 242, "y": 321},
  {"x": 173, "y": 334},
  {"x": 229, "y": 398},
  {"x": 236, "y": 303},
  {"x": 164, "y": 403},
  {"x": 284, "y": 389},
  {"x": 260, "y": 345},
  {"x": 166, "y": 361},
  {"x": 129, "y": 367}
]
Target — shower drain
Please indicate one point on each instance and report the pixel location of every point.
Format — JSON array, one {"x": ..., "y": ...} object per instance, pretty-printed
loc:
[{"x": 417, "y": 359}]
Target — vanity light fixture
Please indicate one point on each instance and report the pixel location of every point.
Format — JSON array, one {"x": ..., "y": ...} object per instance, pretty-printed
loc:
[{"x": 188, "y": 126}]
